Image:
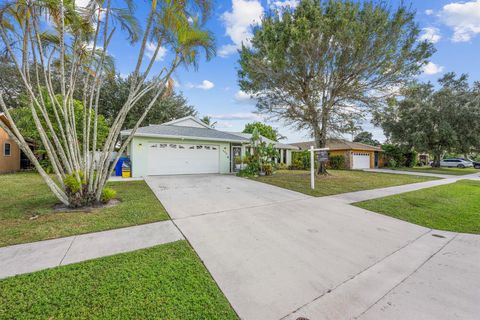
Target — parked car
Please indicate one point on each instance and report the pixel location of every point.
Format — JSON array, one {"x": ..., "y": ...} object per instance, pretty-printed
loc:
[
  {"x": 456, "y": 163},
  {"x": 476, "y": 164}
]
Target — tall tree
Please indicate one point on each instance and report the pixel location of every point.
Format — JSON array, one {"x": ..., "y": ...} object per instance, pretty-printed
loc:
[
  {"x": 115, "y": 91},
  {"x": 264, "y": 130},
  {"x": 208, "y": 120},
  {"x": 319, "y": 65},
  {"x": 78, "y": 50},
  {"x": 366, "y": 138},
  {"x": 435, "y": 121}
]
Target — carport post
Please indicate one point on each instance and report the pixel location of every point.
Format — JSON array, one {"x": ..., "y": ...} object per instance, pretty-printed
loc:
[{"x": 312, "y": 168}]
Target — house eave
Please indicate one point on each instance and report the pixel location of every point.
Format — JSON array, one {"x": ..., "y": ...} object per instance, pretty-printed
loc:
[{"x": 152, "y": 135}]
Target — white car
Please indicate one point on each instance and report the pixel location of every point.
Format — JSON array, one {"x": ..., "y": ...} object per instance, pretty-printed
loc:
[{"x": 456, "y": 163}]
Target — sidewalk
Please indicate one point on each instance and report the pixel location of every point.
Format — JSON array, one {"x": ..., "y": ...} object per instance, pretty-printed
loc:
[
  {"x": 35, "y": 256},
  {"x": 363, "y": 195},
  {"x": 412, "y": 173}
]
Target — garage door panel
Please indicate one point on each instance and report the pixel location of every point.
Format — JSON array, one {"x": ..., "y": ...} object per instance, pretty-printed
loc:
[
  {"x": 361, "y": 160},
  {"x": 174, "y": 158}
]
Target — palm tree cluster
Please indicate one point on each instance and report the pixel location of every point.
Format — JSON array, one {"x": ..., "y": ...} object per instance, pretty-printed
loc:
[{"x": 54, "y": 43}]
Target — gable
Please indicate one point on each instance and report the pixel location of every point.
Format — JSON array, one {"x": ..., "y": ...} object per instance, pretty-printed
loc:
[{"x": 188, "y": 123}]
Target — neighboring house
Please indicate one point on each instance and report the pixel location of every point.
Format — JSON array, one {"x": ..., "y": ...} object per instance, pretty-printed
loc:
[
  {"x": 9, "y": 151},
  {"x": 357, "y": 155},
  {"x": 189, "y": 146}
]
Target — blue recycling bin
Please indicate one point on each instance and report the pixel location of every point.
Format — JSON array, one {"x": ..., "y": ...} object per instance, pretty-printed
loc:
[{"x": 119, "y": 165}]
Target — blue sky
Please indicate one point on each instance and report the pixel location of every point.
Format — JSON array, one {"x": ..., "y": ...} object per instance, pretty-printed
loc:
[{"x": 453, "y": 27}]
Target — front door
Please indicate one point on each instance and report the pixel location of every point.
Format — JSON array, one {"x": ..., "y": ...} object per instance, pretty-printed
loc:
[{"x": 236, "y": 158}]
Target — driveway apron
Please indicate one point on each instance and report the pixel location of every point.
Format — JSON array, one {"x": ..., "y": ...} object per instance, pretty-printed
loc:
[{"x": 280, "y": 254}]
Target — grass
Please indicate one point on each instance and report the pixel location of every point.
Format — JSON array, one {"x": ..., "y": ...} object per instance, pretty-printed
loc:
[
  {"x": 452, "y": 207},
  {"x": 339, "y": 181},
  {"x": 452, "y": 171},
  {"x": 27, "y": 214},
  {"x": 163, "y": 282}
]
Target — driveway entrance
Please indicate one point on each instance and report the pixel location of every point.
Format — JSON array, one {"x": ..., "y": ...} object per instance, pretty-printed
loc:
[{"x": 279, "y": 254}]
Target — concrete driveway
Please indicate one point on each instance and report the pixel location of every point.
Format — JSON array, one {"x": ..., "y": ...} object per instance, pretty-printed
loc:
[{"x": 279, "y": 254}]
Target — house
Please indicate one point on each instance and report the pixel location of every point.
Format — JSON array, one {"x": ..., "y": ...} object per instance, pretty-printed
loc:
[
  {"x": 189, "y": 146},
  {"x": 10, "y": 153},
  {"x": 357, "y": 155}
]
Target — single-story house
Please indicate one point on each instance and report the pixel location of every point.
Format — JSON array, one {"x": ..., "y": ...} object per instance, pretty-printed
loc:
[
  {"x": 189, "y": 146},
  {"x": 10, "y": 153},
  {"x": 357, "y": 155}
]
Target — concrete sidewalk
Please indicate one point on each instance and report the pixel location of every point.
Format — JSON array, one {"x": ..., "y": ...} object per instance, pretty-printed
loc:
[
  {"x": 411, "y": 173},
  {"x": 363, "y": 195},
  {"x": 35, "y": 256}
]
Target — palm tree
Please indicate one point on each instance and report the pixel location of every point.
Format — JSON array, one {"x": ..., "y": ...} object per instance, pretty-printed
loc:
[{"x": 78, "y": 49}]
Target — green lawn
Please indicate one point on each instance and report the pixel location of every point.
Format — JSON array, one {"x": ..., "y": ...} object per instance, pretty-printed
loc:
[
  {"x": 339, "y": 181},
  {"x": 163, "y": 282},
  {"x": 26, "y": 210},
  {"x": 452, "y": 207},
  {"x": 452, "y": 171}
]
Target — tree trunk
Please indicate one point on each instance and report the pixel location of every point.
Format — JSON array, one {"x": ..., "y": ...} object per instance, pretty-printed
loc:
[
  {"x": 320, "y": 142},
  {"x": 436, "y": 160}
]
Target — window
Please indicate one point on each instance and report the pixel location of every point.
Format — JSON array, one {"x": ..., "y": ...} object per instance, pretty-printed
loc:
[
  {"x": 7, "y": 149},
  {"x": 199, "y": 147}
]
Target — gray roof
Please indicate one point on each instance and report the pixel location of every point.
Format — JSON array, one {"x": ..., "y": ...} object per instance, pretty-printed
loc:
[
  {"x": 276, "y": 144},
  {"x": 172, "y": 131}
]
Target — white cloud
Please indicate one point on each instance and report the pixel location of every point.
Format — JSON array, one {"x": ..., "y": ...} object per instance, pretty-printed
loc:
[
  {"x": 242, "y": 96},
  {"x": 237, "y": 116},
  {"x": 429, "y": 12},
  {"x": 223, "y": 125},
  {"x": 432, "y": 68},
  {"x": 227, "y": 50},
  {"x": 204, "y": 85},
  {"x": 239, "y": 22},
  {"x": 150, "y": 51},
  {"x": 82, "y": 3},
  {"x": 430, "y": 34},
  {"x": 464, "y": 18},
  {"x": 279, "y": 4}
]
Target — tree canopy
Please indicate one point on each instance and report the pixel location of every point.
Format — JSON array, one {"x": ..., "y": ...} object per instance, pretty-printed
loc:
[
  {"x": 264, "y": 130},
  {"x": 321, "y": 65},
  {"x": 115, "y": 92},
  {"x": 435, "y": 121},
  {"x": 366, "y": 138},
  {"x": 68, "y": 59}
]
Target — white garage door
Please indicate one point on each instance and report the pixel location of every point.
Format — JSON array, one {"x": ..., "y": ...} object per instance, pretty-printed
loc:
[
  {"x": 361, "y": 160},
  {"x": 175, "y": 158}
]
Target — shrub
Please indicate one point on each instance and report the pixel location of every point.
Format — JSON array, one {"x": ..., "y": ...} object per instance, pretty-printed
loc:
[
  {"x": 268, "y": 169},
  {"x": 71, "y": 184},
  {"x": 300, "y": 160},
  {"x": 392, "y": 163},
  {"x": 282, "y": 166},
  {"x": 337, "y": 162},
  {"x": 411, "y": 159},
  {"x": 249, "y": 171},
  {"x": 296, "y": 165},
  {"x": 108, "y": 194}
]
